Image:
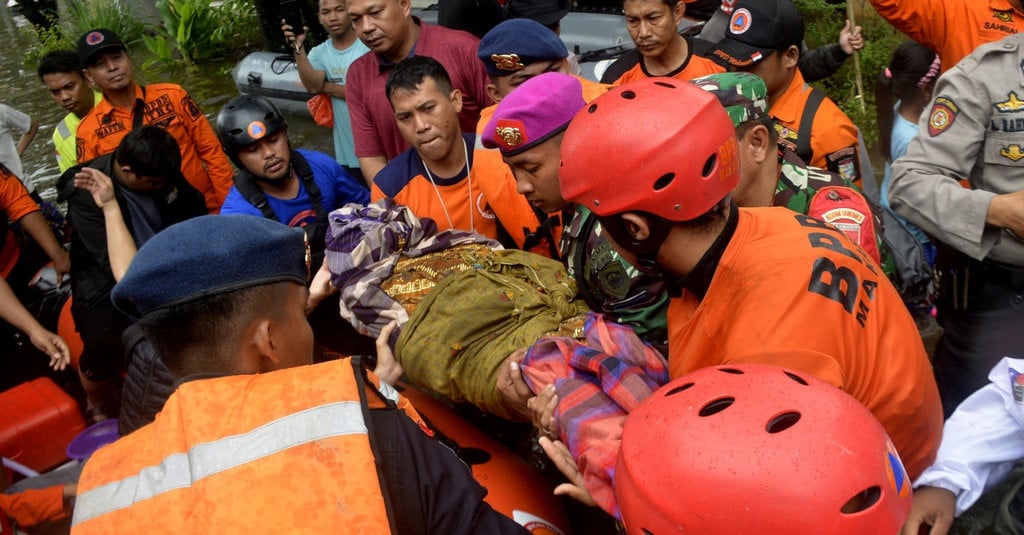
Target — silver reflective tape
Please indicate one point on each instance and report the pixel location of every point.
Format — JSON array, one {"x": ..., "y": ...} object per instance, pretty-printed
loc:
[{"x": 181, "y": 470}]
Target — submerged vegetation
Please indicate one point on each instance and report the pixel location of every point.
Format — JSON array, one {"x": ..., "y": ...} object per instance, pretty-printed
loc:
[{"x": 188, "y": 32}]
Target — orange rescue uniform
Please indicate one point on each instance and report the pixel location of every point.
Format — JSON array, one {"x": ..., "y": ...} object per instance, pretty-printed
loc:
[
  {"x": 16, "y": 203},
  {"x": 694, "y": 67},
  {"x": 499, "y": 184},
  {"x": 35, "y": 506},
  {"x": 452, "y": 202},
  {"x": 834, "y": 138},
  {"x": 789, "y": 282},
  {"x": 234, "y": 453},
  {"x": 203, "y": 162},
  {"x": 952, "y": 28}
]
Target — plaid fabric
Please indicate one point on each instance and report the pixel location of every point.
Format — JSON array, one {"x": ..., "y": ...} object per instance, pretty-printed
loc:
[
  {"x": 365, "y": 243},
  {"x": 598, "y": 382}
]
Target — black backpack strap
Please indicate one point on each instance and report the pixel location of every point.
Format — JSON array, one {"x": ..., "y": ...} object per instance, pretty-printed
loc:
[
  {"x": 302, "y": 168},
  {"x": 139, "y": 111},
  {"x": 803, "y": 140},
  {"x": 362, "y": 383},
  {"x": 545, "y": 231},
  {"x": 247, "y": 186}
]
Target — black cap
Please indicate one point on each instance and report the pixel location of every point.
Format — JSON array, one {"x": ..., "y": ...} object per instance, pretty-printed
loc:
[
  {"x": 96, "y": 41},
  {"x": 757, "y": 28},
  {"x": 546, "y": 12}
]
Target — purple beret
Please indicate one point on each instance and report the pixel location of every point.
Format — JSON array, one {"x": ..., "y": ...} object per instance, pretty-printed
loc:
[{"x": 537, "y": 110}]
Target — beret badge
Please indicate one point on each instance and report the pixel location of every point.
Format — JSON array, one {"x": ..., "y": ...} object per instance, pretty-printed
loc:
[
  {"x": 507, "y": 62},
  {"x": 510, "y": 132}
]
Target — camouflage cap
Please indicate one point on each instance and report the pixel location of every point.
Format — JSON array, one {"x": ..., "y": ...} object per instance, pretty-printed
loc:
[{"x": 744, "y": 95}]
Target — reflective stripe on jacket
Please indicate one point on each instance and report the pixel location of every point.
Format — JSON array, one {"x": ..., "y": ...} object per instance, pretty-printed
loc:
[{"x": 288, "y": 449}]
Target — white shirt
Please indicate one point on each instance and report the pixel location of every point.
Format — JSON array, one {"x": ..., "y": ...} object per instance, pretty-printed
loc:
[
  {"x": 12, "y": 121},
  {"x": 983, "y": 439}
]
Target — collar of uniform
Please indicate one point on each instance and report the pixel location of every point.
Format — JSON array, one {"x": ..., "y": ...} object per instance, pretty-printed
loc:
[
  {"x": 698, "y": 280},
  {"x": 385, "y": 65},
  {"x": 104, "y": 107},
  {"x": 788, "y": 108},
  {"x": 1001, "y": 5}
]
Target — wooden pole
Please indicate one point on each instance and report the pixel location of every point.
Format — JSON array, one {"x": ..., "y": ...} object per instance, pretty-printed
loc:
[{"x": 856, "y": 57}]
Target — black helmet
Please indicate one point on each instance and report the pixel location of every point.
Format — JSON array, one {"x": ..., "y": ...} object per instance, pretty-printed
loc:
[{"x": 245, "y": 120}]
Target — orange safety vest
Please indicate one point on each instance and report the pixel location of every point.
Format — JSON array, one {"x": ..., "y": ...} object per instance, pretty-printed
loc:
[{"x": 287, "y": 449}]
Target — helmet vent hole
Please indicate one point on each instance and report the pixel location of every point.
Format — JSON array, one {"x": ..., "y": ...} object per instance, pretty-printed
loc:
[
  {"x": 664, "y": 181},
  {"x": 628, "y": 95},
  {"x": 665, "y": 84},
  {"x": 678, "y": 389},
  {"x": 235, "y": 131},
  {"x": 733, "y": 371},
  {"x": 592, "y": 108},
  {"x": 862, "y": 501},
  {"x": 709, "y": 166},
  {"x": 782, "y": 422},
  {"x": 796, "y": 378},
  {"x": 646, "y": 531},
  {"x": 716, "y": 406}
]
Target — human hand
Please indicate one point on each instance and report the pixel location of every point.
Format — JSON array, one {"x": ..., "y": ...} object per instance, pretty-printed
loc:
[
  {"x": 53, "y": 346},
  {"x": 559, "y": 454},
  {"x": 933, "y": 507},
  {"x": 388, "y": 369},
  {"x": 293, "y": 39},
  {"x": 97, "y": 183},
  {"x": 1007, "y": 211},
  {"x": 511, "y": 385},
  {"x": 320, "y": 289},
  {"x": 851, "y": 41},
  {"x": 542, "y": 410}
]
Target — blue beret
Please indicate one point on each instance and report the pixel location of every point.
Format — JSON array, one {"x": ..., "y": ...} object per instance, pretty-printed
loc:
[
  {"x": 210, "y": 255},
  {"x": 516, "y": 43}
]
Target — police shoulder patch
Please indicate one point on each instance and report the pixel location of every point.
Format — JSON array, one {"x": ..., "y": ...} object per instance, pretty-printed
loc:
[{"x": 942, "y": 116}]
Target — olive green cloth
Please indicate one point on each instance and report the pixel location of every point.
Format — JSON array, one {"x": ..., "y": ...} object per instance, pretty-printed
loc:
[{"x": 456, "y": 340}]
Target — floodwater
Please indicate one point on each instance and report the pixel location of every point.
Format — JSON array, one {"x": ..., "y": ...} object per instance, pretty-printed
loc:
[{"x": 210, "y": 85}]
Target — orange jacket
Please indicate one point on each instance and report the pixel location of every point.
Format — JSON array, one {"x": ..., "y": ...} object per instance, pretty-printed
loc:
[
  {"x": 287, "y": 449},
  {"x": 788, "y": 281},
  {"x": 952, "y": 28},
  {"x": 15, "y": 203},
  {"x": 834, "y": 142},
  {"x": 694, "y": 67},
  {"x": 452, "y": 202},
  {"x": 499, "y": 184},
  {"x": 203, "y": 162},
  {"x": 35, "y": 506}
]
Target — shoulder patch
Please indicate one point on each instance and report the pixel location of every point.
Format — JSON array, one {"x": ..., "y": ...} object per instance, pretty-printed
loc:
[
  {"x": 1017, "y": 384},
  {"x": 942, "y": 116}
]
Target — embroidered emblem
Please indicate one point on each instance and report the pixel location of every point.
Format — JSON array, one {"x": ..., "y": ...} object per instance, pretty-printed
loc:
[
  {"x": 740, "y": 21},
  {"x": 1012, "y": 153},
  {"x": 507, "y": 62},
  {"x": 94, "y": 38},
  {"x": 942, "y": 116},
  {"x": 510, "y": 133},
  {"x": 1004, "y": 16},
  {"x": 1011, "y": 104},
  {"x": 256, "y": 129}
]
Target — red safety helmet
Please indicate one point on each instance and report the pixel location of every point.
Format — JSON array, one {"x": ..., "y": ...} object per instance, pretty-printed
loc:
[
  {"x": 659, "y": 145},
  {"x": 753, "y": 448}
]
